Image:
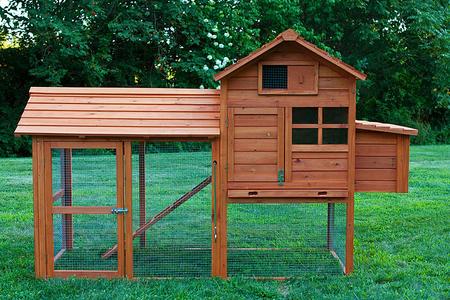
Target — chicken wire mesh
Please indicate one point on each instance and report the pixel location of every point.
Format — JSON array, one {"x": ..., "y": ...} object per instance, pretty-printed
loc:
[
  {"x": 179, "y": 243},
  {"x": 84, "y": 177},
  {"x": 286, "y": 240}
]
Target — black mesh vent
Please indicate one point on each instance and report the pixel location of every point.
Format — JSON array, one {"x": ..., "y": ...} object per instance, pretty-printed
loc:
[{"x": 274, "y": 77}]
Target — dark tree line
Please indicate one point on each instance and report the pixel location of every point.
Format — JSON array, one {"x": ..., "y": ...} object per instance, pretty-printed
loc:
[{"x": 403, "y": 46}]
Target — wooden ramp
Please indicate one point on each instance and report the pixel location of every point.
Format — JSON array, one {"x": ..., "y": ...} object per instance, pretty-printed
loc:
[{"x": 159, "y": 216}]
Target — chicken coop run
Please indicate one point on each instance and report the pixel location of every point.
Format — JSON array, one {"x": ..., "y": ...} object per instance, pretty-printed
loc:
[{"x": 255, "y": 179}]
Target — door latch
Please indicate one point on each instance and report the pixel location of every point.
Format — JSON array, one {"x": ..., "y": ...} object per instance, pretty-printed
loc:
[
  {"x": 281, "y": 177},
  {"x": 116, "y": 211}
]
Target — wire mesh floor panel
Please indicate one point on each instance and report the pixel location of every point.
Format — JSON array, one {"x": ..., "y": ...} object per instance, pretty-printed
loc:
[
  {"x": 178, "y": 244},
  {"x": 285, "y": 240}
]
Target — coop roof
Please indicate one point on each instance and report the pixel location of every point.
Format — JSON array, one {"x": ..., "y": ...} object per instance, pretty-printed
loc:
[
  {"x": 290, "y": 36},
  {"x": 384, "y": 127},
  {"x": 134, "y": 112}
]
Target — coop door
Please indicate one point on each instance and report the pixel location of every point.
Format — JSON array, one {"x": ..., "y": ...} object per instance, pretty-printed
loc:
[
  {"x": 84, "y": 200},
  {"x": 256, "y": 144}
]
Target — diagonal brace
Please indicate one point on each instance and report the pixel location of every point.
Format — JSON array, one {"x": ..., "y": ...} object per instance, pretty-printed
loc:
[{"x": 159, "y": 216}]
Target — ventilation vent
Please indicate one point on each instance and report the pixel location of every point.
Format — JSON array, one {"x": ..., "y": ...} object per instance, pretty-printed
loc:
[{"x": 274, "y": 77}]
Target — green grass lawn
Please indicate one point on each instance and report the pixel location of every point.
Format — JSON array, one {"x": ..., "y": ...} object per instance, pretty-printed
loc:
[{"x": 401, "y": 248}]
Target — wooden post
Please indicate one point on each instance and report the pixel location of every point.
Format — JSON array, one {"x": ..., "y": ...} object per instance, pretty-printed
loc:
[
  {"x": 330, "y": 226},
  {"x": 66, "y": 177},
  {"x": 142, "y": 216},
  {"x": 129, "y": 216}
]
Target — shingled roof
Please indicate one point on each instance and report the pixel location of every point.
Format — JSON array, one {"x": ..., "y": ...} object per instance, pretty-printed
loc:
[
  {"x": 134, "y": 112},
  {"x": 290, "y": 36}
]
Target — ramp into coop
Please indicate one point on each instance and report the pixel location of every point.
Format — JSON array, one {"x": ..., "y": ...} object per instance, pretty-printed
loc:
[
  {"x": 286, "y": 240},
  {"x": 176, "y": 174}
]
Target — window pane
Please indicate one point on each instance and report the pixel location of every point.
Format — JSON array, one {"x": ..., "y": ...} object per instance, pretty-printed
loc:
[
  {"x": 304, "y": 136},
  {"x": 274, "y": 77},
  {"x": 335, "y": 115},
  {"x": 304, "y": 115},
  {"x": 334, "y": 136}
]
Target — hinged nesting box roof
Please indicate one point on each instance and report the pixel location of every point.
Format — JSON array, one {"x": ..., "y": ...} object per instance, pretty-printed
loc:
[
  {"x": 134, "y": 112},
  {"x": 290, "y": 36}
]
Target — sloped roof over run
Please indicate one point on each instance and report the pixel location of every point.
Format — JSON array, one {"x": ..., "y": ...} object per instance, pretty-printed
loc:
[
  {"x": 384, "y": 127},
  {"x": 292, "y": 36},
  {"x": 132, "y": 112}
]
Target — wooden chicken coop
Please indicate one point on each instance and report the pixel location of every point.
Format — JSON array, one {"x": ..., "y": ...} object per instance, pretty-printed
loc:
[{"x": 255, "y": 179}]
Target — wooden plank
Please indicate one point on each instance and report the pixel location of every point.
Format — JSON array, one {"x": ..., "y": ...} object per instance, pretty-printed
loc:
[
  {"x": 267, "y": 200},
  {"x": 243, "y": 83},
  {"x": 319, "y": 155},
  {"x": 376, "y": 174},
  {"x": 255, "y": 158},
  {"x": 333, "y": 82},
  {"x": 90, "y": 210},
  {"x": 325, "y": 71},
  {"x": 366, "y": 162},
  {"x": 375, "y": 186},
  {"x": 256, "y": 132},
  {"x": 309, "y": 184},
  {"x": 313, "y": 164},
  {"x": 120, "y": 91},
  {"x": 222, "y": 198},
  {"x": 39, "y": 255},
  {"x": 280, "y": 148},
  {"x": 349, "y": 246},
  {"x": 121, "y": 115},
  {"x": 120, "y": 180},
  {"x": 285, "y": 193},
  {"x": 255, "y": 173},
  {"x": 231, "y": 143},
  {"x": 126, "y": 100},
  {"x": 82, "y": 144},
  {"x": 255, "y": 121},
  {"x": 255, "y": 111},
  {"x": 320, "y": 175},
  {"x": 121, "y": 107},
  {"x": 320, "y": 148},
  {"x": 85, "y": 274},
  {"x": 402, "y": 163},
  {"x": 376, "y": 150},
  {"x": 256, "y": 145},
  {"x": 129, "y": 272},
  {"x": 47, "y": 215},
  {"x": 117, "y": 122},
  {"x": 374, "y": 137},
  {"x": 215, "y": 195},
  {"x": 288, "y": 144},
  {"x": 116, "y": 131},
  {"x": 250, "y": 70}
]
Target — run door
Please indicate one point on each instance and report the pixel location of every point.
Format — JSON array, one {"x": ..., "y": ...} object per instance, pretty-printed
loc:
[
  {"x": 85, "y": 208},
  {"x": 256, "y": 144}
]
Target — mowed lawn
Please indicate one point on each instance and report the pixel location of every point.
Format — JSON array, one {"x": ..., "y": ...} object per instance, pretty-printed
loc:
[{"x": 402, "y": 248}]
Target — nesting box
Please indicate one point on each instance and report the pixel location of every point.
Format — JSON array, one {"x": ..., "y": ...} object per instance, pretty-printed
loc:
[{"x": 120, "y": 174}]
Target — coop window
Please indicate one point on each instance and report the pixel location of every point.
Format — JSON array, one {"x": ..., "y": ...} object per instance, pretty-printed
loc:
[
  {"x": 335, "y": 115},
  {"x": 274, "y": 77},
  {"x": 317, "y": 125}
]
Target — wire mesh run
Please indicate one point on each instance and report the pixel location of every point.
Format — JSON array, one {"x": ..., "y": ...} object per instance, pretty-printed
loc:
[
  {"x": 286, "y": 240},
  {"x": 84, "y": 177},
  {"x": 172, "y": 202}
]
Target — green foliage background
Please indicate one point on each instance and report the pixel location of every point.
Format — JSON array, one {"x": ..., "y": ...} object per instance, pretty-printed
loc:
[{"x": 402, "y": 45}]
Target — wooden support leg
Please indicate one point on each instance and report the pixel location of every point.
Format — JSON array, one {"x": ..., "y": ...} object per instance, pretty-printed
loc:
[
  {"x": 66, "y": 178},
  {"x": 349, "y": 236},
  {"x": 142, "y": 216},
  {"x": 330, "y": 227}
]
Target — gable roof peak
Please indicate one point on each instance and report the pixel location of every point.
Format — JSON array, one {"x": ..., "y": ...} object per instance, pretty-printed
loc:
[{"x": 290, "y": 35}]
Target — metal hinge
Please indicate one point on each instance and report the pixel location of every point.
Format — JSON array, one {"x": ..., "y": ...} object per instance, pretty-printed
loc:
[
  {"x": 281, "y": 177},
  {"x": 116, "y": 211}
]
